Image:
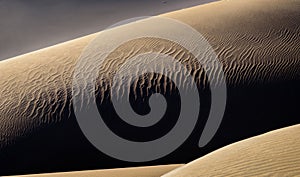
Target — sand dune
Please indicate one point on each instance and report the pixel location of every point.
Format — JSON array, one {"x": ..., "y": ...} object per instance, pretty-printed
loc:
[
  {"x": 257, "y": 42},
  {"x": 154, "y": 171},
  {"x": 275, "y": 153},
  {"x": 253, "y": 46}
]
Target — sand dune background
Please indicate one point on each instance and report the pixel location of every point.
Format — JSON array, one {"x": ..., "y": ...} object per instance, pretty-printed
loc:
[
  {"x": 275, "y": 153},
  {"x": 257, "y": 41},
  {"x": 31, "y": 25},
  {"x": 154, "y": 171}
]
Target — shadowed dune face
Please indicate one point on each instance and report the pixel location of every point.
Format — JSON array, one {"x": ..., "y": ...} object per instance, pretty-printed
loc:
[
  {"x": 256, "y": 41},
  {"x": 272, "y": 154}
]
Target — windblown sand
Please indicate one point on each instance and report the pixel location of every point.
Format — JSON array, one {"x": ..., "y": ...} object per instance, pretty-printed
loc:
[
  {"x": 275, "y": 153},
  {"x": 257, "y": 41},
  {"x": 154, "y": 171}
]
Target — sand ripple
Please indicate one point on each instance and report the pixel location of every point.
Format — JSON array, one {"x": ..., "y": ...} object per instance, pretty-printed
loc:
[{"x": 257, "y": 42}]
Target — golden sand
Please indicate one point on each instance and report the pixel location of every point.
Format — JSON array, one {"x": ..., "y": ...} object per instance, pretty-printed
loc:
[
  {"x": 256, "y": 41},
  {"x": 154, "y": 171},
  {"x": 275, "y": 153}
]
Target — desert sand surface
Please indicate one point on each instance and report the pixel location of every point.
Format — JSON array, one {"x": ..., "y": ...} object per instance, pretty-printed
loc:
[
  {"x": 153, "y": 171},
  {"x": 275, "y": 153},
  {"x": 257, "y": 41}
]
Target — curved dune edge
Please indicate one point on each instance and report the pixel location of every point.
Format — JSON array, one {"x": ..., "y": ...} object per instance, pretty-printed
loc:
[
  {"x": 275, "y": 153},
  {"x": 256, "y": 49},
  {"x": 151, "y": 171}
]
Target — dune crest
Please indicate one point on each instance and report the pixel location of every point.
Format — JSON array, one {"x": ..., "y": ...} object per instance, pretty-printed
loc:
[
  {"x": 36, "y": 87},
  {"x": 275, "y": 153},
  {"x": 152, "y": 171},
  {"x": 257, "y": 41}
]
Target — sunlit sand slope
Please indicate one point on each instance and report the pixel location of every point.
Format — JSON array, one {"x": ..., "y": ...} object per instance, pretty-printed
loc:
[
  {"x": 257, "y": 41},
  {"x": 275, "y": 153},
  {"x": 154, "y": 171}
]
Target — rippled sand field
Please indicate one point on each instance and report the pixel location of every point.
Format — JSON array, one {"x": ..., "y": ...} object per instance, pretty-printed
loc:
[{"x": 257, "y": 41}]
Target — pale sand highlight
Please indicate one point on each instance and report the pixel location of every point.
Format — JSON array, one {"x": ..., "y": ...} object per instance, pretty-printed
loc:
[
  {"x": 152, "y": 171},
  {"x": 275, "y": 153}
]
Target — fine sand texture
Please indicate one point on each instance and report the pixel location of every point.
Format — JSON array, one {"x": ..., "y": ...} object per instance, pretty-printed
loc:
[
  {"x": 257, "y": 42},
  {"x": 275, "y": 153},
  {"x": 152, "y": 171}
]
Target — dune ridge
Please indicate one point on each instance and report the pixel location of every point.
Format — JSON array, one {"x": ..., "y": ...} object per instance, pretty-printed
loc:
[
  {"x": 257, "y": 42},
  {"x": 271, "y": 154},
  {"x": 253, "y": 51},
  {"x": 275, "y": 153},
  {"x": 153, "y": 171},
  {"x": 252, "y": 45}
]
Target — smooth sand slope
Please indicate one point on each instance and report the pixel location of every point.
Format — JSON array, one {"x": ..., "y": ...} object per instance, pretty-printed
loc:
[
  {"x": 275, "y": 153},
  {"x": 154, "y": 171},
  {"x": 257, "y": 42}
]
